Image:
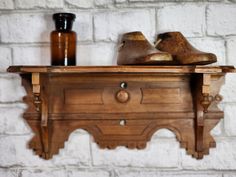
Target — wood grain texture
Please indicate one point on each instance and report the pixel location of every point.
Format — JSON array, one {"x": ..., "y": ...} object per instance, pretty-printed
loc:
[
  {"x": 122, "y": 69},
  {"x": 161, "y": 95},
  {"x": 83, "y": 96},
  {"x": 183, "y": 102}
]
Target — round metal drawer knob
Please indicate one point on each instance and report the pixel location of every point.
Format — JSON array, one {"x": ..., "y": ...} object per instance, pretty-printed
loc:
[{"x": 122, "y": 96}]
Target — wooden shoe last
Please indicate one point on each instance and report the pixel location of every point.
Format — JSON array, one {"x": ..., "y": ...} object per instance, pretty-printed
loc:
[
  {"x": 182, "y": 51},
  {"x": 136, "y": 50}
]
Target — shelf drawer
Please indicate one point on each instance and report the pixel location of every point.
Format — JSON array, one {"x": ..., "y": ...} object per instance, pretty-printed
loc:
[{"x": 120, "y": 94}]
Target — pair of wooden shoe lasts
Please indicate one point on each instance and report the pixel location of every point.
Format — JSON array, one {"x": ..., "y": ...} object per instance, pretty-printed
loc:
[{"x": 171, "y": 48}]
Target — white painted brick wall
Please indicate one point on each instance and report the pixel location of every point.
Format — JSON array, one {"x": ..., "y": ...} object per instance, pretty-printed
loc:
[
  {"x": 24, "y": 4},
  {"x": 34, "y": 4},
  {"x": 103, "y": 3},
  {"x": 230, "y": 175},
  {"x": 120, "y": 1},
  {"x": 31, "y": 55},
  {"x": 230, "y": 121},
  {"x": 40, "y": 173},
  {"x": 21, "y": 28},
  {"x": 221, "y": 20},
  {"x": 83, "y": 26},
  {"x": 6, "y": 4},
  {"x": 229, "y": 88},
  {"x": 223, "y": 157},
  {"x": 11, "y": 89},
  {"x": 80, "y": 3},
  {"x": 77, "y": 151},
  {"x": 5, "y": 58},
  {"x": 25, "y": 26},
  {"x": 161, "y": 174},
  {"x": 8, "y": 172},
  {"x": 136, "y": 158},
  {"x": 80, "y": 173},
  {"x": 35, "y": 28},
  {"x": 12, "y": 117},
  {"x": 96, "y": 54},
  {"x": 231, "y": 47},
  {"x": 108, "y": 25},
  {"x": 189, "y": 19}
]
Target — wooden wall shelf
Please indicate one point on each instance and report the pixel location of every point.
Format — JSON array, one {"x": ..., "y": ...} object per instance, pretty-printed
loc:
[{"x": 122, "y": 105}]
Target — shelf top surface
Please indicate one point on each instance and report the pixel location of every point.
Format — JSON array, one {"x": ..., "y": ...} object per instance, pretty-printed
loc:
[{"x": 122, "y": 69}]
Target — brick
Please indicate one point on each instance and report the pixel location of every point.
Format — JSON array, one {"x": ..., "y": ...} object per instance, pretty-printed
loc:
[
  {"x": 34, "y": 4},
  {"x": 142, "y": 0},
  {"x": 11, "y": 89},
  {"x": 158, "y": 153},
  {"x": 5, "y": 58},
  {"x": 9, "y": 172},
  {"x": 97, "y": 173},
  {"x": 109, "y": 25},
  {"x": 13, "y": 151},
  {"x": 96, "y": 54},
  {"x": 76, "y": 150},
  {"x": 165, "y": 174},
  {"x": 83, "y": 26},
  {"x": 188, "y": 19},
  {"x": 229, "y": 120},
  {"x": 15, "y": 124},
  {"x": 103, "y": 3},
  {"x": 228, "y": 90},
  {"x": 6, "y": 4},
  {"x": 20, "y": 28},
  {"x": 231, "y": 55},
  {"x": 54, "y": 4},
  {"x": 24, "y": 4},
  {"x": 216, "y": 46},
  {"x": 80, "y": 3},
  {"x": 229, "y": 175},
  {"x": 2, "y": 125},
  {"x": 218, "y": 24},
  {"x": 13, "y": 121},
  {"x": 31, "y": 56},
  {"x": 223, "y": 157},
  {"x": 43, "y": 173},
  {"x": 120, "y": 1}
]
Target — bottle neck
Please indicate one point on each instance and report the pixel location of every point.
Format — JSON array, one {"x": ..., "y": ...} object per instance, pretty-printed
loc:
[{"x": 63, "y": 25}]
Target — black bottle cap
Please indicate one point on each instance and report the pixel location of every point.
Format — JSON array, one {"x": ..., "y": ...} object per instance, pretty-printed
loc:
[{"x": 63, "y": 21}]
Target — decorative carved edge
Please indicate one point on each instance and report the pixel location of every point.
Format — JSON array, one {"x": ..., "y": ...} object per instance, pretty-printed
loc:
[
  {"x": 202, "y": 99},
  {"x": 186, "y": 138},
  {"x": 35, "y": 87}
]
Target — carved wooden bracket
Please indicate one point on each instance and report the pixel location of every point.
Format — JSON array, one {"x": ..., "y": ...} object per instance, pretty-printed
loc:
[{"x": 122, "y": 105}]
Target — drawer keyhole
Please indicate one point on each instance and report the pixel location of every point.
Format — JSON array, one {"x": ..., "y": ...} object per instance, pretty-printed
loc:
[
  {"x": 123, "y": 85},
  {"x": 122, "y": 122}
]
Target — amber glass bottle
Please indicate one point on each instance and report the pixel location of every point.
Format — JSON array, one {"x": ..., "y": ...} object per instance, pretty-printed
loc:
[{"x": 63, "y": 40}]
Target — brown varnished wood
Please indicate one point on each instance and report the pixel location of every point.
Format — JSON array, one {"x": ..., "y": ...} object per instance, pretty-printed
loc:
[
  {"x": 182, "y": 99},
  {"x": 125, "y": 69}
]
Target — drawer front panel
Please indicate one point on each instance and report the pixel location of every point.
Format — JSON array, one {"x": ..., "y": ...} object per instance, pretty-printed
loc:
[
  {"x": 161, "y": 95},
  {"x": 83, "y": 96},
  {"x": 108, "y": 95}
]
